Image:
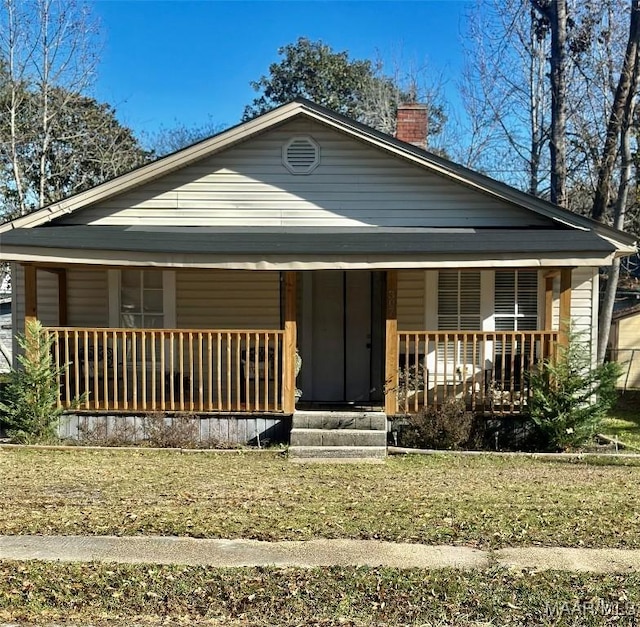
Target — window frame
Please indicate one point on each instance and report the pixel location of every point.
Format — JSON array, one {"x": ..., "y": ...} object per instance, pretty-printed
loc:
[
  {"x": 168, "y": 297},
  {"x": 515, "y": 315}
]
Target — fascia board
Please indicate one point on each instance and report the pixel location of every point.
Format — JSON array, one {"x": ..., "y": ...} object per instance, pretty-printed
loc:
[{"x": 278, "y": 261}]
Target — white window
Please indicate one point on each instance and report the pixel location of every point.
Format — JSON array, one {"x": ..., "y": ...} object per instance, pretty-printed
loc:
[
  {"x": 459, "y": 309},
  {"x": 516, "y": 300},
  {"x": 142, "y": 299},
  {"x": 459, "y": 300}
]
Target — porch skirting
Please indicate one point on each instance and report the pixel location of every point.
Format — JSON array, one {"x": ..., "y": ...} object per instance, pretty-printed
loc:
[{"x": 255, "y": 430}]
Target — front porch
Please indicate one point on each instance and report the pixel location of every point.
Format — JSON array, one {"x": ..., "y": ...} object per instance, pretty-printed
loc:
[
  {"x": 364, "y": 346},
  {"x": 246, "y": 371}
]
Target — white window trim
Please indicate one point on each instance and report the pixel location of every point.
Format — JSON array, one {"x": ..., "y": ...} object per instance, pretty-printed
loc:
[
  {"x": 595, "y": 304},
  {"x": 431, "y": 300},
  {"x": 487, "y": 283},
  {"x": 487, "y": 294},
  {"x": 539, "y": 299},
  {"x": 487, "y": 304},
  {"x": 487, "y": 298},
  {"x": 168, "y": 298}
]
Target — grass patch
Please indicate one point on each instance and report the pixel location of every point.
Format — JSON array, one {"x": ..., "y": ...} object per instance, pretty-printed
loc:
[
  {"x": 478, "y": 501},
  {"x": 128, "y": 594},
  {"x": 623, "y": 420}
]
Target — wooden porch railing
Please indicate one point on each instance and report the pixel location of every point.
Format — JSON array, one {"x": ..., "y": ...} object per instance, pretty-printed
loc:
[
  {"x": 488, "y": 370},
  {"x": 169, "y": 369}
]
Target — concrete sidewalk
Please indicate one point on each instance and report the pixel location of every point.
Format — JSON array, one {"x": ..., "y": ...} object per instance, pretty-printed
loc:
[{"x": 307, "y": 554}]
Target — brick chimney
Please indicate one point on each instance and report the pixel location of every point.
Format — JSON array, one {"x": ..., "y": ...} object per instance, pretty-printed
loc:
[{"x": 412, "y": 125}]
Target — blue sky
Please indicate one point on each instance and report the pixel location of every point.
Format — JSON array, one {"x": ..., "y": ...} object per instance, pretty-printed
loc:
[{"x": 192, "y": 62}]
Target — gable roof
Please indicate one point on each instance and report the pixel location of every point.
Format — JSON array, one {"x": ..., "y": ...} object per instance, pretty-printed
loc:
[{"x": 624, "y": 243}]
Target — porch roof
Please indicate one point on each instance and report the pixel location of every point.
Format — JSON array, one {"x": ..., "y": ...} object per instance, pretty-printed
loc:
[{"x": 280, "y": 248}]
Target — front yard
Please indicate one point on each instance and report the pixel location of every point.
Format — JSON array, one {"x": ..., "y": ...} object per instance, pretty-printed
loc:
[
  {"x": 483, "y": 501},
  {"x": 479, "y": 501},
  {"x": 136, "y": 595},
  {"x": 623, "y": 420}
]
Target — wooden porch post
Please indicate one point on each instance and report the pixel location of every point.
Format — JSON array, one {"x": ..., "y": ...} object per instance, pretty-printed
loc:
[
  {"x": 391, "y": 345},
  {"x": 548, "y": 299},
  {"x": 290, "y": 333},
  {"x": 565, "y": 305},
  {"x": 30, "y": 294},
  {"x": 30, "y": 297}
]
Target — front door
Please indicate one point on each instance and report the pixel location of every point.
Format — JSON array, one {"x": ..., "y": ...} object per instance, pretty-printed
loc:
[{"x": 341, "y": 310}]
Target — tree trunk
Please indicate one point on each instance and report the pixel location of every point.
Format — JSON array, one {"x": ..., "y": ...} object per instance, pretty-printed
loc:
[
  {"x": 620, "y": 125},
  {"x": 537, "y": 64},
  {"x": 15, "y": 77},
  {"x": 558, "y": 21},
  {"x": 606, "y": 311},
  {"x": 620, "y": 111}
]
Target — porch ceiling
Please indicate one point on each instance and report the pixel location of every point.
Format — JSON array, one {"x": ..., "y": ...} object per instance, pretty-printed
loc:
[{"x": 303, "y": 247}]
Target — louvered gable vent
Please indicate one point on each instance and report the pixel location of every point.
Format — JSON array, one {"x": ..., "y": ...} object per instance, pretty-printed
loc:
[{"x": 301, "y": 155}]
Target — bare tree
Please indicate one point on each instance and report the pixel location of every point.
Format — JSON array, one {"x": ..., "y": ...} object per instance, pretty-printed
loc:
[
  {"x": 620, "y": 116},
  {"x": 403, "y": 80},
  {"x": 170, "y": 139},
  {"x": 505, "y": 94},
  {"x": 592, "y": 55},
  {"x": 47, "y": 45},
  {"x": 618, "y": 143}
]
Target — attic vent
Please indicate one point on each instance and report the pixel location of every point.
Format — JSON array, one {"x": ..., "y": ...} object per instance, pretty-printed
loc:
[{"x": 301, "y": 155}]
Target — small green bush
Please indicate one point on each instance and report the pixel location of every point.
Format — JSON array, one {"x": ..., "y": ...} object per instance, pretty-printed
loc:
[
  {"x": 570, "y": 396},
  {"x": 29, "y": 401},
  {"x": 447, "y": 427}
]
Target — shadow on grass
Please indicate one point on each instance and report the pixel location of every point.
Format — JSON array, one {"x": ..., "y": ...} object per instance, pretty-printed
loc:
[{"x": 623, "y": 421}]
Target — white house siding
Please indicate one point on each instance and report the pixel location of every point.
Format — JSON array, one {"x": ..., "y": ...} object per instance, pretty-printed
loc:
[
  {"x": 411, "y": 300},
  {"x": 584, "y": 304},
  {"x": 218, "y": 299},
  {"x": 87, "y": 298},
  {"x": 354, "y": 185}
]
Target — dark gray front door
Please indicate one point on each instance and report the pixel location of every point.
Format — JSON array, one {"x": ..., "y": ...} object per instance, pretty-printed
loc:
[{"x": 341, "y": 336}]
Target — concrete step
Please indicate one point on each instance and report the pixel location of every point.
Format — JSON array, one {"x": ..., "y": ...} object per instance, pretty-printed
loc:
[
  {"x": 338, "y": 437},
  {"x": 338, "y": 452},
  {"x": 339, "y": 420}
]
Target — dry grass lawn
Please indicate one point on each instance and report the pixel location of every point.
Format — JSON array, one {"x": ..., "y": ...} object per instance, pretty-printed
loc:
[
  {"x": 119, "y": 595},
  {"x": 478, "y": 501}
]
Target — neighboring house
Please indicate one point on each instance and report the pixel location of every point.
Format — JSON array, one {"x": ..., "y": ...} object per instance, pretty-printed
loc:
[
  {"x": 189, "y": 283},
  {"x": 624, "y": 343}
]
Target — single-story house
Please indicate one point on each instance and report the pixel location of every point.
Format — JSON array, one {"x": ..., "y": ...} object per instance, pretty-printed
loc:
[{"x": 398, "y": 277}]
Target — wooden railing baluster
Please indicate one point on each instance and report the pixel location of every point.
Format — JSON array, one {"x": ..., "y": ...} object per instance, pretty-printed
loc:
[{"x": 485, "y": 368}]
